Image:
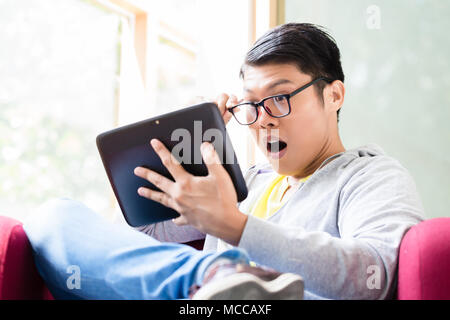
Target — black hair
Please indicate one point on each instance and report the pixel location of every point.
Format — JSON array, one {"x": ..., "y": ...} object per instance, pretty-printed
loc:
[{"x": 310, "y": 47}]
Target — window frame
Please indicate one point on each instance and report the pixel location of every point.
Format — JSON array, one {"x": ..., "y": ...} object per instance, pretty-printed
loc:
[{"x": 272, "y": 15}]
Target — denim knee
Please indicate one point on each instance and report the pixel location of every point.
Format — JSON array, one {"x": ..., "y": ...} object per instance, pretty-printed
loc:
[
  {"x": 57, "y": 210},
  {"x": 50, "y": 217}
]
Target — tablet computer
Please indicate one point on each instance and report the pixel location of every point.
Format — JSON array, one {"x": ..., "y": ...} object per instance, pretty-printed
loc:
[{"x": 182, "y": 132}]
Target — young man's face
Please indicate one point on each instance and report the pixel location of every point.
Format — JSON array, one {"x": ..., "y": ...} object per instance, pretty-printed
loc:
[{"x": 307, "y": 132}]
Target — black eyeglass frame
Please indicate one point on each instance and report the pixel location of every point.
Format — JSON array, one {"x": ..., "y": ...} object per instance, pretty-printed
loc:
[{"x": 286, "y": 96}]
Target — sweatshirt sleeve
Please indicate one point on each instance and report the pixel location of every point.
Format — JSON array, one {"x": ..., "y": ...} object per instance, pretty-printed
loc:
[
  {"x": 167, "y": 231},
  {"x": 376, "y": 208}
]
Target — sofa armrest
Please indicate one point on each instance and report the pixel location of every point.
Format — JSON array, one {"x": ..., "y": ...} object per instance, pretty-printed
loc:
[
  {"x": 424, "y": 261},
  {"x": 19, "y": 278}
]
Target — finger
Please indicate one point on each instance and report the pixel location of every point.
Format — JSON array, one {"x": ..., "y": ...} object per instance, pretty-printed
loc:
[
  {"x": 180, "y": 221},
  {"x": 155, "y": 178},
  {"x": 231, "y": 102},
  {"x": 157, "y": 196},
  {"x": 168, "y": 160},
  {"x": 221, "y": 101},
  {"x": 211, "y": 159}
]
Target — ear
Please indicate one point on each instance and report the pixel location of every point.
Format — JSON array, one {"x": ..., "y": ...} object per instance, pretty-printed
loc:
[{"x": 333, "y": 95}]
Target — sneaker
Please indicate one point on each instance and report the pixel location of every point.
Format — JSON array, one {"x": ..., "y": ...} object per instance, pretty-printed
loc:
[{"x": 244, "y": 282}]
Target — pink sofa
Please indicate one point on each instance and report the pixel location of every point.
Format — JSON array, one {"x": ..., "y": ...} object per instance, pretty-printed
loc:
[
  {"x": 424, "y": 263},
  {"x": 19, "y": 278}
]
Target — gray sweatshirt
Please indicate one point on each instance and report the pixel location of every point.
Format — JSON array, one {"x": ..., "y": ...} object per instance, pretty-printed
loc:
[{"x": 341, "y": 230}]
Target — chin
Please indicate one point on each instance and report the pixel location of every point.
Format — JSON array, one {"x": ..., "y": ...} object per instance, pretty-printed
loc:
[
  {"x": 278, "y": 167},
  {"x": 284, "y": 169}
]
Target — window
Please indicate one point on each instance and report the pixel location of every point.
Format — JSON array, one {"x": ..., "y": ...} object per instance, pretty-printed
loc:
[
  {"x": 71, "y": 69},
  {"x": 58, "y": 72}
]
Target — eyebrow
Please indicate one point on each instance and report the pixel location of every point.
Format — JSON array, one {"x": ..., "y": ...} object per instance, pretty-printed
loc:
[{"x": 273, "y": 85}]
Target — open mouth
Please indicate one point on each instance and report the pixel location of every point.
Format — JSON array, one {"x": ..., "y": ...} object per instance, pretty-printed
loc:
[{"x": 276, "y": 148}]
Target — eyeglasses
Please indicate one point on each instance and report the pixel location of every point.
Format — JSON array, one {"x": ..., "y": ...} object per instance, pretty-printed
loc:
[{"x": 277, "y": 106}]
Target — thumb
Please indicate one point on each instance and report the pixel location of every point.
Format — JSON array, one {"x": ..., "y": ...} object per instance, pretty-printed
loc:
[
  {"x": 180, "y": 221},
  {"x": 211, "y": 159}
]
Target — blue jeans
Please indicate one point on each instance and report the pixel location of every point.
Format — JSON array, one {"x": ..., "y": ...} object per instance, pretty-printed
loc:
[{"x": 81, "y": 255}]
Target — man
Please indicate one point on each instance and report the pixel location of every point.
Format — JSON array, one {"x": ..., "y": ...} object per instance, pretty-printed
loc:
[{"x": 335, "y": 217}]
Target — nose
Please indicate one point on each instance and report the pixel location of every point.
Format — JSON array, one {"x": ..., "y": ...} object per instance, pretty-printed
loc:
[{"x": 265, "y": 120}]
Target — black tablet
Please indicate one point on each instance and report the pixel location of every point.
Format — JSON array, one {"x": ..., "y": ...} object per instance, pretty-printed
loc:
[{"x": 182, "y": 132}]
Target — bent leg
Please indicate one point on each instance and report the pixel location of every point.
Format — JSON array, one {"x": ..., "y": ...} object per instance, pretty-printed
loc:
[{"x": 71, "y": 242}]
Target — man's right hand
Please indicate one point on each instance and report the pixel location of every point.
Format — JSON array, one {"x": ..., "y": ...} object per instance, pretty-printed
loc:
[{"x": 225, "y": 101}]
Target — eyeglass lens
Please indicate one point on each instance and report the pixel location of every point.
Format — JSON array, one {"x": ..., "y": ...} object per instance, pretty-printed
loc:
[{"x": 276, "y": 106}]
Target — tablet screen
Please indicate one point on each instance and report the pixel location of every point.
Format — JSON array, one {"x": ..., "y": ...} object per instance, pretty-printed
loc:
[{"x": 182, "y": 132}]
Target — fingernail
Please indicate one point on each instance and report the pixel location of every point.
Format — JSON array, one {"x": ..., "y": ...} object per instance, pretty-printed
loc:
[
  {"x": 206, "y": 147},
  {"x": 154, "y": 143}
]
